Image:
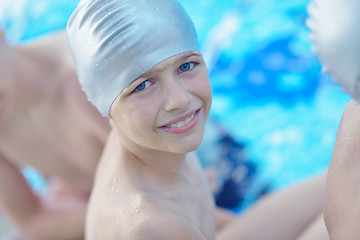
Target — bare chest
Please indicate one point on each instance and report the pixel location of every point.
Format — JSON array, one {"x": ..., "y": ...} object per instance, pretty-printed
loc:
[{"x": 195, "y": 202}]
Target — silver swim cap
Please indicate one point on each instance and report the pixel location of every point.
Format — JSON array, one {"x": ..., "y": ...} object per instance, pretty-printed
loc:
[{"x": 113, "y": 42}]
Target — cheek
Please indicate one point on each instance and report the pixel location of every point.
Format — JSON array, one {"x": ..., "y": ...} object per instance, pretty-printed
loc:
[
  {"x": 141, "y": 116},
  {"x": 202, "y": 88}
]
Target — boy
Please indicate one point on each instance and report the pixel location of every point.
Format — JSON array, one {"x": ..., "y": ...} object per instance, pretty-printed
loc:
[
  {"x": 157, "y": 119},
  {"x": 139, "y": 64},
  {"x": 46, "y": 122}
]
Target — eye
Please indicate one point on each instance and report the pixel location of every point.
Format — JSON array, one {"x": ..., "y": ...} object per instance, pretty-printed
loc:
[
  {"x": 142, "y": 86},
  {"x": 186, "y": 67}
]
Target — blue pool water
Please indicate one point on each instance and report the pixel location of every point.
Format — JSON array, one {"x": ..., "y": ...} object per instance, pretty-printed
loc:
[{"x": 274, "y": 116}]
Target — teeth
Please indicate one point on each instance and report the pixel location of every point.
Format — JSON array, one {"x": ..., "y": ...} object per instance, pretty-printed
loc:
[
  {"x": 181, "y": 123},
  {"x": 189, "y": 119}
]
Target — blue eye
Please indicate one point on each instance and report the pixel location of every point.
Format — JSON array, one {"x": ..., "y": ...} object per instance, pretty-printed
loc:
[
  {"x": 186, "y": 67},
  {"x": 142, "y": 86}
]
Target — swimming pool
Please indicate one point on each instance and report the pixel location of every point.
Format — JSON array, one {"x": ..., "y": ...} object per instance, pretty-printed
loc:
[{"x": 279, "y": 113}]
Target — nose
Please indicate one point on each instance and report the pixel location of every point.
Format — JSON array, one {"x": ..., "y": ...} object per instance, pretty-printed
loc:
[{"x": 177, "y": 96}]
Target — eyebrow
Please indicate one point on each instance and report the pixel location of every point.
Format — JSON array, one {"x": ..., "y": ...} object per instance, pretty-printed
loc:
[
  {"x": 182, "y": 59},
  {"x": 186, "y": 56}
]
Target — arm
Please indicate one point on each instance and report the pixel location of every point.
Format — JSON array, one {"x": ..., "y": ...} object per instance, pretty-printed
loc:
[
  {"x": 281, "y": 215},
  {"x": 33, "y": 218},
  {"x": 223, "y": 218},
  {"x": 342, "y": 199},
  {"x": 316, "y": 231}
]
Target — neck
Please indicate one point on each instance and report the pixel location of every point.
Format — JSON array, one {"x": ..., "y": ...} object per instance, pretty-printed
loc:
[{"x": 158, "y": 163}]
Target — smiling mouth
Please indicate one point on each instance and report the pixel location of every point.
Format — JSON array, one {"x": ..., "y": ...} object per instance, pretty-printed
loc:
[{"x": 181, "y": 124}]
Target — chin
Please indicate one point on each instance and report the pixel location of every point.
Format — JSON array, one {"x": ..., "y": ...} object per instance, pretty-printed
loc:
[{"x": 189, "y": 145}]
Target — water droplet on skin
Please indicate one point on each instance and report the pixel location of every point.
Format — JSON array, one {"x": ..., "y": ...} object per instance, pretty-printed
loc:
[
  {"x": 115, "y": 186},
  {"x": 345, "y": 139},
  {"x": 136, "y": 210}
]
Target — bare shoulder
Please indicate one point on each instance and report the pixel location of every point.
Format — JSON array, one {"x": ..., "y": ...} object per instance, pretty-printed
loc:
[
  {"x": 342, "y": 195},
  {"x": 155, "y": 223},
  {"x": 348, "y": 134},
  {"x": 50, "y": 49},
  {"x": 138, "y": 218},
  {"x": 353, "y": 107}
]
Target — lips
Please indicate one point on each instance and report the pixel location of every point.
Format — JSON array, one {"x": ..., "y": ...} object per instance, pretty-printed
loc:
[{"x": 182, "y": 124}]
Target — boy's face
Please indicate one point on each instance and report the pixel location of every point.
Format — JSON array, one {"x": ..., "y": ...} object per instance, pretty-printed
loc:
[{"x": 166, "y": 108}]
